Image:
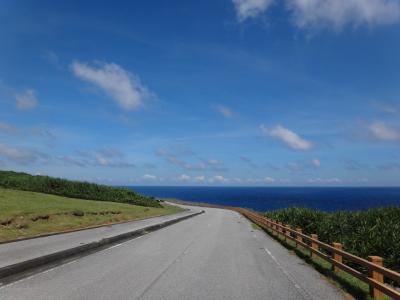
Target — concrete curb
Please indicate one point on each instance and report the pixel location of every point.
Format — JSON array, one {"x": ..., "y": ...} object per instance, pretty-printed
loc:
[
  {"x": 24, "y": 266},
  {"x": 76, "y": 230}
]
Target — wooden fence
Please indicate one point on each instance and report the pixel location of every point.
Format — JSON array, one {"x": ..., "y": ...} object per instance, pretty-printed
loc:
[{"x": 338, "y": 257}]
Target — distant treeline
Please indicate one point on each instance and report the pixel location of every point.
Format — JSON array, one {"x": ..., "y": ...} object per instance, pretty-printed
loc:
[
  {"x": 374, "y": 231},
  {"x": 73, "y": 189}
]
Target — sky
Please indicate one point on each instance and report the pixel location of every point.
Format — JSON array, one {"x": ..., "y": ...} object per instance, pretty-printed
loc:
[{"x": 211, "y": 92}]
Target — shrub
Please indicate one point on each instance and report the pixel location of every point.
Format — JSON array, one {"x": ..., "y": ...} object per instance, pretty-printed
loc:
[
  {"x": 73, "y": 189},
  {"x": 78, "y": 213},
  {"x": 374, "y": 231}
]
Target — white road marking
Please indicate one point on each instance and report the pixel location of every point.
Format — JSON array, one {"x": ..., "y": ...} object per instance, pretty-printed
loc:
[
  {"x": 115, "y": 246},
  {"x": 290, "y": 277},
  {"x": 2, "y": 286}
]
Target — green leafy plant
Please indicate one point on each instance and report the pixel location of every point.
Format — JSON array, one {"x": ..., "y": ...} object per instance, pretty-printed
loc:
[
  {"x": 369, "y": 232},
  {"x": 73, "y": 189}
]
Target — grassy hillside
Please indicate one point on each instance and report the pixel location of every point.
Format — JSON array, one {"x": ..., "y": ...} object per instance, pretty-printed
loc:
[
  {"x": 24, "y": 214},
  {"x": 363, "y": 233},
  {"x": 73, "y": 189}
]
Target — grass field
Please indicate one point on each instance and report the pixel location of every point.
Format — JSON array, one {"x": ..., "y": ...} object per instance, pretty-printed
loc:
[{"x": 24, "y": 214}]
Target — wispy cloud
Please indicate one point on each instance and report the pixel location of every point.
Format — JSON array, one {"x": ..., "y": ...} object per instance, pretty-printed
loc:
[
  {"x": 103, "y": 157},
  {"x": 335, "y": 14},
  {"x": 204, "y": 164},
  {"x": 246, "y": 9},
  {"x": 288, "y": 137},
  {"x": 354, "y": 165},
  {"x": 339, "y": 13},
  {"x": 381, "y": 131},
  {"x": 26, "y": 100},
  {"x": 122, "y": 86},
  {"x": 9, "y": 129},
  {"x": 225, "y": 111},
  {"x": 42, "y": 133},
  {"x": 248, "y": 161},
  {"x": 18, "y": 155},
  {"x": 200, "y": 178},
  {"x": 301, "y": 166},
  {"x": 316, "y": 162},
  {"x": 184, "y": 178},
  {"x": 387, "y": 107},
  {"x": 390, "y": 166},
  {"x": 150, "y": 177},
  {"x": 110, "y": 152},
  {"x": 332, "y": 180}
]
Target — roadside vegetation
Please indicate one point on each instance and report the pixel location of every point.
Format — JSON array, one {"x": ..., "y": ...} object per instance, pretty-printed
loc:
[
  {"x": 73, "y": 189},
  {"x": 369, "y": 232},
  {"x": 25, "y": 214},
  {"x": 355, "y": 288}
]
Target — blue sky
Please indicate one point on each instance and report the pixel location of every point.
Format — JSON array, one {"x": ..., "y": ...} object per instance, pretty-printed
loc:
[{"x": 213, "y": 92}]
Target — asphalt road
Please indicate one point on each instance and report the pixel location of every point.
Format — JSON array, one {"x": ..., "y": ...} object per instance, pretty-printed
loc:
[
  {"x": 12, "y": 253},
  {"x": 216, "y": 255}
]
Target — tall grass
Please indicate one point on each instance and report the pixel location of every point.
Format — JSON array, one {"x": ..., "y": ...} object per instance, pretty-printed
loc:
[
  {"x": 374, "y": 231},
  {"x": 73, "y": 189}
]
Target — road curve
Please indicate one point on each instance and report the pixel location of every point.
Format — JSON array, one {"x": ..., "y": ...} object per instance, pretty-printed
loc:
[{"x": 216, "y": 255}]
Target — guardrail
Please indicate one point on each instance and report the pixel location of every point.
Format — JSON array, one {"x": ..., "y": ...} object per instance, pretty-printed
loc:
[{"x": 338, "y": 257}]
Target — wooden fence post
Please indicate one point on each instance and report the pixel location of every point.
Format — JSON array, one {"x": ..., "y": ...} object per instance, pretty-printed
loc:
[
  {"x": 279, "y": 228},
  {"x": 287, "y": 233},
  {"x": 298, "y": 237},
  {"x": 337, "y": 257},
  {"x": 314, "y": 245},
  {"x": 375, "y": 293}
]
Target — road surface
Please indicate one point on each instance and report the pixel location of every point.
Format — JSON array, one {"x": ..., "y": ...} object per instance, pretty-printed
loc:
[
  {"x": 216, "y": 255},
  {"x": 16, "y": 252}
]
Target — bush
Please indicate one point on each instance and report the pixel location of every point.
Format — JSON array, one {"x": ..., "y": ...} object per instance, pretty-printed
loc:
[
  {"x": 73, "y": 189},
  {"x": 374, "y": 231},
  {"x": 78, "y": 213}
]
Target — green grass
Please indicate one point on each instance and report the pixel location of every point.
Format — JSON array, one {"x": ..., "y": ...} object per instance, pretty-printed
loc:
[
  {"x": 25, "y": 214},
  {"x": 255, "y": 226},
  {"x": 73, "y": 189}
]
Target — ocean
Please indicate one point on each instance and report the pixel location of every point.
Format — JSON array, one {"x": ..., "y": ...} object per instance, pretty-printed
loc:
[{"x": 269, "y": 198}]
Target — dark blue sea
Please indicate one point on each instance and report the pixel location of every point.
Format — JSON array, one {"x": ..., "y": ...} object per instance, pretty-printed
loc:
[{"x": 269, "y": 198}]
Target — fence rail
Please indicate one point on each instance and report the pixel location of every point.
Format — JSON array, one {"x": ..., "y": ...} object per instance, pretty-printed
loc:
[{"x": 376, "y": 272}]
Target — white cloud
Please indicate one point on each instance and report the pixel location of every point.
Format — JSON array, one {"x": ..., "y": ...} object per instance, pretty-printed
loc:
[
  {"x": 290, "y": 138},
  {"x": 225, "y": 111},
  {"x": 200, "y": 178},
  {"x": 324, "y": 180},
  {"x": 26, "y": 100},
  {"x": 339, "y": 13},
  {"x": 334, "y": 14},
  {"x": 122, "y": 86},
  {"x": 268, "y": 180},
  {"x": 218, "y": 179},
  {"x": 184, "y": 178},
  {"x": 250, "y": 8},
  {"x": 381, "y": 131},
  {"x": 149, "y": 177},
  {"x": 316, "y": 162},
  {"x": 102, "y": 161}
]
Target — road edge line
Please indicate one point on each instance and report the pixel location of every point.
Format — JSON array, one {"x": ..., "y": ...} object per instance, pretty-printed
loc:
[{"x": 24, "y": 266}]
